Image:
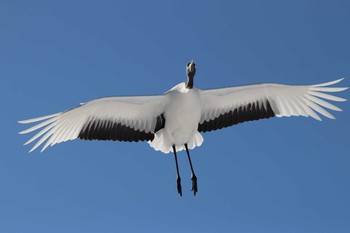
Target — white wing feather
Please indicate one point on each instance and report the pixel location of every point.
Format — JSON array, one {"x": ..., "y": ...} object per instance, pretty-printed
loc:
[
  {"x": 285, "y": 100},
  {"x": 136, "y": 112}
]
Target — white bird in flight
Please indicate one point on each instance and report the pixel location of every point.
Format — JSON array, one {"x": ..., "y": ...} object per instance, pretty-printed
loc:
[{"x": 173, "y": 121}]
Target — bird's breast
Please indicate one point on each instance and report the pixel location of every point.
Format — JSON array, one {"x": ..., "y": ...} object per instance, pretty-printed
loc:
[{"x": 182, "y": 115}]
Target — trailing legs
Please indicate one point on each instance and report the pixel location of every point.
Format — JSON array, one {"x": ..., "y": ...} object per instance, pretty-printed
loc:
[
  {"x": 178, "y": 178},
  {"x": 193, "y": 175}
]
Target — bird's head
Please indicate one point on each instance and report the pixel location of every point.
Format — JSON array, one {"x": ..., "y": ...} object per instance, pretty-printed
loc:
[{"x": 191, "y": 71}]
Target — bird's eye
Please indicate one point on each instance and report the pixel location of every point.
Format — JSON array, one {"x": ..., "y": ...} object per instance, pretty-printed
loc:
[{"x": 188, "y": 64}]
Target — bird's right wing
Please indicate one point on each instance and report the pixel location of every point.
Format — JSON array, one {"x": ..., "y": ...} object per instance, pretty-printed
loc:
[
  {"x": 134, "y": 118},
  {"x": 224, "y": 107}
]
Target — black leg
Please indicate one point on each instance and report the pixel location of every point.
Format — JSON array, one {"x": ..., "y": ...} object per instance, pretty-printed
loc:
[
  {"x": 193, "y": 176},
  {"x": 178, "y": 179}
]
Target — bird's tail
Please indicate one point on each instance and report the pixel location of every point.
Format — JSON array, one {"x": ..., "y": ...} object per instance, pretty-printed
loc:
[{"x": 162, "y": 142}]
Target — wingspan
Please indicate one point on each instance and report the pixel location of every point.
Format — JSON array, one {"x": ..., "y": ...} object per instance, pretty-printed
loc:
[
  {"x": 134, "y": 118},
  {"x": 229, "y": 106}
]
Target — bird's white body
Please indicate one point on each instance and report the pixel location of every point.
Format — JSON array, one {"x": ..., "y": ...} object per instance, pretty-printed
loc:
[{"x": 182, "y": 115}]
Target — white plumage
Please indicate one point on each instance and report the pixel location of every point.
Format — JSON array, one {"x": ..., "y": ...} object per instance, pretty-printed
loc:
[
  {"x": 183, "y": 109},
  {"x": 182, "y": 114},
  {"x": 174, "y": 120},
  {"x": 139, "y": 113}
]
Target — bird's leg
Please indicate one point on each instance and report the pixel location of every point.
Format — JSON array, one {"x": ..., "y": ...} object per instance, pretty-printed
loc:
[
  {"x": 193, "y": 176},
  {"x": 178, "y": 179}
]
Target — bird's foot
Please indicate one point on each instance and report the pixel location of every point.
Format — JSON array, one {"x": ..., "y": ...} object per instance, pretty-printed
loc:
[
  {"x": 179, "y": 188},
  {"x": 194, "y": 184}
]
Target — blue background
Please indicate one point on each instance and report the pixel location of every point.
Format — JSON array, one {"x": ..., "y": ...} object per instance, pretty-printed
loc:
[{"x": 276, "y": 175}]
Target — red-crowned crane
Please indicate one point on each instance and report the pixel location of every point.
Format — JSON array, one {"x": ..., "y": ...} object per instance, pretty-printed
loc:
[{"x": 174, "y": 121}]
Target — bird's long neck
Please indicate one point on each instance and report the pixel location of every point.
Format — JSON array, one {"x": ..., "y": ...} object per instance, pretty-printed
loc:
[{"x": 189, "y": 82}]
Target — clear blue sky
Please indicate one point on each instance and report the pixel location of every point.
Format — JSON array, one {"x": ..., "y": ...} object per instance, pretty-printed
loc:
[{"x": 276, "y": 175}]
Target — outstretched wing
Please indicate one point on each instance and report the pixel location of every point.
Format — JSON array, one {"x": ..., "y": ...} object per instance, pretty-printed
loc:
[
  {"x": 134, "y": 118},
  {"x": 229, "y": 106}
]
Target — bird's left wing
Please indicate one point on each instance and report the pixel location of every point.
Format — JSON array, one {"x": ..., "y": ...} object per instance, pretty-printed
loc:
[
  {"x": 134, "y": 118},
  {"x": 233, "y": 105}
]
